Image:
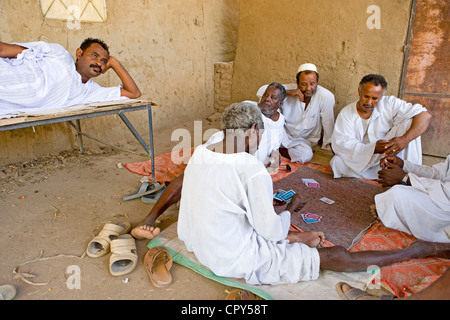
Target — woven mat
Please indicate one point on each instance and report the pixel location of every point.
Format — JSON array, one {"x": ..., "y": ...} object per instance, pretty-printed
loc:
[{"x": 343, "y": 222}]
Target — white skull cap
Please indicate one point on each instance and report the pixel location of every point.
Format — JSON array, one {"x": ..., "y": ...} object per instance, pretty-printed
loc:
[{"x": 307, "y": 67}]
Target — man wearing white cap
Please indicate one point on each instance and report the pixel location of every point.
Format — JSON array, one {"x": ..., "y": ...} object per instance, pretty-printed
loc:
[{"x": 308, "y": 109}]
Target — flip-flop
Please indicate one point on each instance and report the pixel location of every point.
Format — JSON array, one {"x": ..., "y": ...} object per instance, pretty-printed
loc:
[
  {"x": 123, "y": 257},
  {"x": 153, "y": 198},
  {"x": 358, "y": 294},
  {"x": 7, "y": 292},
  {"x": 100, "y": 245},
  {"x": 158, "y": 262},
  {"x": 145, "y": 189},
  {"x": 239, "y": 294}
]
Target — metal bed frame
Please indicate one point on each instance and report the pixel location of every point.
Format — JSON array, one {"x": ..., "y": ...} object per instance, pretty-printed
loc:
[{"x": 74, "y": 117}]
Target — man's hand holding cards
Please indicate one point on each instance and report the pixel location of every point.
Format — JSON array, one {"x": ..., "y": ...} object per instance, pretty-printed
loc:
[{"x": 284, "y": 196}]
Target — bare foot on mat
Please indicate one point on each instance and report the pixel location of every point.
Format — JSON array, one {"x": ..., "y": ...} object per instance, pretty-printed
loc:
[{"x": 312, "y": 239}]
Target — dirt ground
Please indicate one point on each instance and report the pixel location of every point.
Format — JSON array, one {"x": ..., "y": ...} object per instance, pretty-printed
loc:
[
  {"x": 56, "y": 204},
  {"x": 53, "y": 206}
]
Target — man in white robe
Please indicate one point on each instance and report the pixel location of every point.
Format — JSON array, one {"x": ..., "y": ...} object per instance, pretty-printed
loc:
[
  {"x": 267, "y": 154},
  {"x": 374, "y": 127},
  {"x": 41, "y": 76},
  {"x": 308, "y": 110},
  {"x": 228, "y": 221},
  {"x": 419, "y": 201}
]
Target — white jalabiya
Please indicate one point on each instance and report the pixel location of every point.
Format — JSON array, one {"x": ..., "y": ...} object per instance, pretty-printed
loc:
[
  {"x": 272, "y": 136},
  {"x": 353, "y": 141},
  {"x": 304, "y": 127},
  {"x": 44, "y": 77},
  {"x": 227, "y": 219},
  {"x": 422, "y": 209}
]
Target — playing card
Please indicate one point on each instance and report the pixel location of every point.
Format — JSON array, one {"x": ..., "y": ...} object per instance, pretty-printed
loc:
[
  {"x": 278, "y": 195},
  {"x": 284, "y": 196},
  {"x": 310, "y": 218},
  {"x": 287, "y": 196},
  {"x": 311, "y": 183},
  {"x": 326, "y": 200}
]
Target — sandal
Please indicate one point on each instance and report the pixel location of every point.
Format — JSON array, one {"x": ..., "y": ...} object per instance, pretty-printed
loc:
[
  {"x": 144, "y": 189},
  {"x": 158, "y": 262},
  {"x": 153, "y": 198},
  {"x": 358, "y": 294},
  {"x": 7, "y": 292},
  {"x": 99, "y": 246},
  {"x": 123, "y": 258},
  {"x": 239, "y": 294}
]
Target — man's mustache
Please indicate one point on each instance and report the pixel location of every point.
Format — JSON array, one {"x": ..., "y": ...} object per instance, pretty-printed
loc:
[{"x": 96, "y": 67}]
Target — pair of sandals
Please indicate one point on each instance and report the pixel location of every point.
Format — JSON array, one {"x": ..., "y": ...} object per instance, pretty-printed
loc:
[{"x": 114, "y": 238}]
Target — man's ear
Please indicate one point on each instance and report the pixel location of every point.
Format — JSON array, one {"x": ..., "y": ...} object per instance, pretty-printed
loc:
[{"x": 79, "y": 53}]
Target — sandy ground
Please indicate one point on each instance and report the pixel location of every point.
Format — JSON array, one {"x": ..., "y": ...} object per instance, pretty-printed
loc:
[{"x": 56, "y": 204}]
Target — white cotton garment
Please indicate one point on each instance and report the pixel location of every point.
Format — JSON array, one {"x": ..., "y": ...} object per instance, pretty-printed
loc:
[
  {"x": 304, "y": 126},
  {"x": 272, "y": 136},
  {"x": 44, "y": 77},
  {"x": 227, "y": 220},
  {"x": 354, "y": 144},
  {"x": 422, "y": 209}
]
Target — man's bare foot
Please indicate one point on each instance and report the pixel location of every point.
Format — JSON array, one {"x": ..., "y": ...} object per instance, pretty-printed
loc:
[
  {"x": 312, "y": 239},
  {"x": 145, "y": 232}
]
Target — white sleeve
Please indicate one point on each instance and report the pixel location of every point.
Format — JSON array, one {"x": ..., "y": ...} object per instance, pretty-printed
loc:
[
  {"x": 327, "y": 117},
  {"x": 262, "y": 216},
  {"x": 357, "y": 155},
  {"x": 97, "y": 93}
]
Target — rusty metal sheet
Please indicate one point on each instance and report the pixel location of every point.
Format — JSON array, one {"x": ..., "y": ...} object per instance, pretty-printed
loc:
[
  {"x": 436, "y": 140},
  {"x": 428, "y": 70},
  {"x": 429, "y": 62}
]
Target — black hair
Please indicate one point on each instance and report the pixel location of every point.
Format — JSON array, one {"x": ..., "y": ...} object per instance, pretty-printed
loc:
[
  {"x": 374, "y": 79},
  {"x": 279, "y": 87},
  {"x": 89, "y": 41}
]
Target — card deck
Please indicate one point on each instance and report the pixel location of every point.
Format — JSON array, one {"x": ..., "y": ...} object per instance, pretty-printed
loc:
[{"x": 311, "y": 183}]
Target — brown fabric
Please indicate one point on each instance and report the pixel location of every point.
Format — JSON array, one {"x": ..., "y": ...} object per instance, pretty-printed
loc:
[{"x": 343, "y": 222}]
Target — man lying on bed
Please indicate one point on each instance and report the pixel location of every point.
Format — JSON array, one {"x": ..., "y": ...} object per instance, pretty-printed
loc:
[{"x": 40, "y": 76}]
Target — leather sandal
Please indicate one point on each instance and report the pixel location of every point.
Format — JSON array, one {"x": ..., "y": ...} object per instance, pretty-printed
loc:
[
  {"x": 100, "y": 245},
  {"x": 158, "y": 262},
  {"x": 7, "y": 292},
  {"x": 123, "y": 257},
  {"x": 239, "y": 294}
]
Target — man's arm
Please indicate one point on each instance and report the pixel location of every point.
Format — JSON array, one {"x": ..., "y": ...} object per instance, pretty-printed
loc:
[
  {"x": 296, "y": 92},
  {"x": 10, "y": 50},
  {"x": 130, "y": 89},
  {"x": 418, "y": 127}
]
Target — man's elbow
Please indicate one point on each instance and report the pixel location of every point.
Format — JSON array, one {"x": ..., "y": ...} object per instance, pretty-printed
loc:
[
  {"x": 135, "y": 94},
  {"x": 426, "y": 118}
]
